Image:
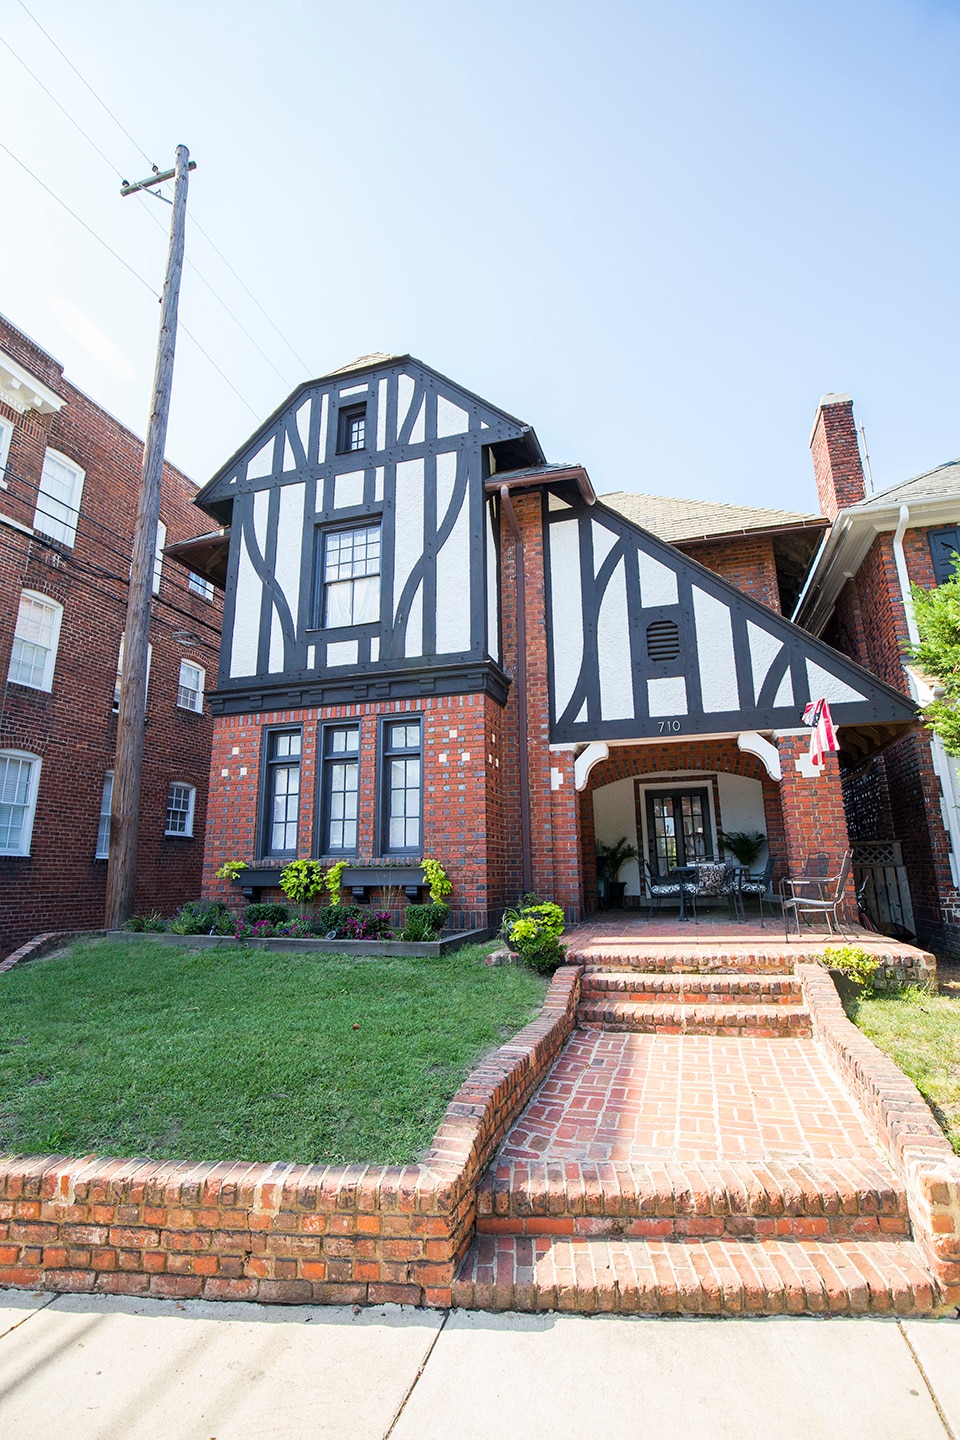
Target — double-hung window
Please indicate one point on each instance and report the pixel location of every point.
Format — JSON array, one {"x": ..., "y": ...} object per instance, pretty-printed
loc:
[
  {"x": 340, "y": 790},
  {"x": 58, "y": 499},
  {"x": 180, "y": 801},
  {"x": 102, "y": 851},
  {"x": 35, "y": 641},
  {"x": 350, "y": 576},
  {"x": 402, "y": 794},
  {"x": 190, "y": 687},
  {"x": 118, "y": 683},
  {"x": 19, "y": 782},
  {"x": 281, "y": 793}
]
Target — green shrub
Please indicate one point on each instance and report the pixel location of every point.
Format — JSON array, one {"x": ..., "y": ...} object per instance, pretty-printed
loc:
[
  {"x": 153, "y": 921},
  {"x": 534, "y": 932},
  {"x": 197, "y": 917},
  {"x": 302, "y": 880},
  {"x": 332, "y": 881},
  {"x": 437, "y": 880},
  {"x": 332, "y": 918},
  {"x": 854, "y": 961},
  {"x": 276, "y": 913},
  {"x": 424, "y": 922}
]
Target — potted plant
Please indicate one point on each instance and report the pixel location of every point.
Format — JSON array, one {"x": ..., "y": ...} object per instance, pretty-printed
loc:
[
  {"x": 610, "y": 861},
  {"x": 852, "y": 969},
  {"x": 743, "y": 845}
]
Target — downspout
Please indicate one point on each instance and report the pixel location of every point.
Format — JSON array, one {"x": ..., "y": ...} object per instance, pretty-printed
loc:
[
  {"x": 901, "y": 563},
  {"x": 525, "y": 857}
]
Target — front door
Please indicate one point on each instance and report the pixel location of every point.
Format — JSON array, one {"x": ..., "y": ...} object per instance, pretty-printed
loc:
[{"x": 678, "y": 828}]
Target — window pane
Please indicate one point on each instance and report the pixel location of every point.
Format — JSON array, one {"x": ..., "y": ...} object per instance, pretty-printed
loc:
[
  {"x": 366, "y": 601},
  {"x": 33, "y": 642},
  {"x": 180, "y": 810},
  {"x": 102, "y": 851},
  {"x": 200, "y": 585},
  {"x": 57, "y": 499},
  {"x": 15, "y": 777}
]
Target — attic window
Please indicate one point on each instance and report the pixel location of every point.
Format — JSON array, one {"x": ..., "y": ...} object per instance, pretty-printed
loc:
[
  {"x": 663, "y": 640},
  {"x": 352, "y": 431}
]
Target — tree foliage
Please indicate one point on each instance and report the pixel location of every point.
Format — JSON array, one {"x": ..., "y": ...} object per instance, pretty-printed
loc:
[{"x": 938, "y": 655}]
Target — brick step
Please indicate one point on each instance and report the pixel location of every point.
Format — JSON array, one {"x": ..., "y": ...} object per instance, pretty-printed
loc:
[
  {"x": 635, "y": 987},
  {"x": 696, "y": 1277},
  {"x": 853, "y": 1199},
  {"x": 778, "y": 960},
  {"x": 767, "y": 1022}
]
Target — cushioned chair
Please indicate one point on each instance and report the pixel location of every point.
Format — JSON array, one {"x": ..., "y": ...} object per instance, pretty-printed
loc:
[
  {"x": 661, "y": 888},
  {"x": 813, "y": 895},
  {"x": 760, "y": 884}
]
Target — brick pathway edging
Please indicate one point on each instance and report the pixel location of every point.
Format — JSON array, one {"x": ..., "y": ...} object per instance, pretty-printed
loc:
[
  {"x": 903, "y": 1125},
  {"x": 42, "y": 945},
  {"x": 279, "y": 1233}
]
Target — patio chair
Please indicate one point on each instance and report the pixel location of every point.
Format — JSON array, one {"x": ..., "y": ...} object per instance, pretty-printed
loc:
[
  {"x": 662, "y": 887},
  {"x": 816, "y": 895},
  {"x": 715, "y": 879},
  {"x": 760, "y": 884}
]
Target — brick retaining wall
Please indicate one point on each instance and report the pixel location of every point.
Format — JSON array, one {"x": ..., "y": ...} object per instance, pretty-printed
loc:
[
  {"x": 903, "y": 1125},
  {"x": 281, "y": 1233}
]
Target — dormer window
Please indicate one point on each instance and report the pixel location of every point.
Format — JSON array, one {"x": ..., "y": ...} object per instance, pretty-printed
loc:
[{"x": 352, "y": 432}]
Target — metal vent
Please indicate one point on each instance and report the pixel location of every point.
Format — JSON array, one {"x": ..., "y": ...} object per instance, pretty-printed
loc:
[{"x": 663, "y": 640}]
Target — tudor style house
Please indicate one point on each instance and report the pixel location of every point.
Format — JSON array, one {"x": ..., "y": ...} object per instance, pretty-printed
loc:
[
  {"x": 69, "y": 477},
  {"x": 435, "y": 642}
]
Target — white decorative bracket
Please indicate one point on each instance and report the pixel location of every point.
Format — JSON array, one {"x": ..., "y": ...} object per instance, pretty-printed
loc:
[
  {"x": 585, "y": 761},
  {"x": 766, "y": 753}
]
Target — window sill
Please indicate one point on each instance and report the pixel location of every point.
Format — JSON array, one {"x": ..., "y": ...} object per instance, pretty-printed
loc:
[{"x": 176, "y": 835}]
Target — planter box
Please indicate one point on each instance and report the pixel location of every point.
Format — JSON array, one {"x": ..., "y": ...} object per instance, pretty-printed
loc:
[
  {"x": 354, "y": 878},
  {"x": 450, "y": 940}
]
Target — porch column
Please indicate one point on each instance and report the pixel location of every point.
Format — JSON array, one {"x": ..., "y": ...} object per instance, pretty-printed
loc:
[
  {"x": 814, "y": 820},
  {"x": 565, "y": 827}
]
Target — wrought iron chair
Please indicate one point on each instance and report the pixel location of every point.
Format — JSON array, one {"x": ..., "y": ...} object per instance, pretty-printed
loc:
[
  {"x": 814, "y": 895},
  {"x": 713, "y": 880},
  {"x": 662, "y": 887},
  {"x": 760, "y": 884}
]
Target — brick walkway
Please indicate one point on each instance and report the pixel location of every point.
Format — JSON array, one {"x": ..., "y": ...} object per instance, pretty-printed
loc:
[{"x": 624, "y": 1097}]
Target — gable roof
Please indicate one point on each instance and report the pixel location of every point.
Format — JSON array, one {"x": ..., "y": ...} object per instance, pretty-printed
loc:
[
  {"x": 673, "y": 519},
  {"x": 936, "y": 484}
]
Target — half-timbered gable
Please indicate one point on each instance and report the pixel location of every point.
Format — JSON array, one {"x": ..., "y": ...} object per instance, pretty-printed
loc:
[
  {"x": 363, "y": 560},
  {"x": 644, "y": 643}
]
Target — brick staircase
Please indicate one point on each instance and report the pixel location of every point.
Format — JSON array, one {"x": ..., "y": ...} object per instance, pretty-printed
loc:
[{"x": 820, "y": 1233}]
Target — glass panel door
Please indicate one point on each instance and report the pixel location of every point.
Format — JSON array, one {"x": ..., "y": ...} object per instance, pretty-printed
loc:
[{"x": 678, "y": 829}]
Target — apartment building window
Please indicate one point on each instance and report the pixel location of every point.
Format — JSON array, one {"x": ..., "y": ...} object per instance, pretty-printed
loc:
[
  {"x": 401, "y": 800},
  {"x": 118, "y": 684},
  {"x": 102, "y": 851},
  {"x": 350, "y": 576},
  {"x": 158, "y": 555},
  {"x": 180, "y": 800},
  {"x": 58, "y": 499},
  {"x": 19, "y": 782},
  {"x": 281, "y": 794},
  {"x": 190, "y": 687},
  {"x": 35, "y": 641},
  {"x": 200, "y": 585},
  {"x": 340, "y": 789}
]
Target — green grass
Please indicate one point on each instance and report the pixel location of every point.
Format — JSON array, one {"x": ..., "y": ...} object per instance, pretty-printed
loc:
[
  {"x": 144, "y": 1049},
  {"x": 921, "y": 1032}
]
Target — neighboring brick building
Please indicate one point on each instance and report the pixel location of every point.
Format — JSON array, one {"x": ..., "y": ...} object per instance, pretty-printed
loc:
[
  {"x": 857, "y": 598},
  {"x": 69, "y": 476},
  {"x": 387, "y": 690}
]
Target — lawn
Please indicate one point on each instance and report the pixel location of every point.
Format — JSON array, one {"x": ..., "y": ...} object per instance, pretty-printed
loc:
[
  {"x": 141, "y": 1048},
  {"x": 921, "y": 1032}
]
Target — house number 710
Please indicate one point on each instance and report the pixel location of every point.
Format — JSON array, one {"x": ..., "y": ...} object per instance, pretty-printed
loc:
[{"x": 669, "y": 726}]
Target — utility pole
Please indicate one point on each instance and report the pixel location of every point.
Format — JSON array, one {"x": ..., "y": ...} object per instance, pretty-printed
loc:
[{"x": 128, "y": 765}]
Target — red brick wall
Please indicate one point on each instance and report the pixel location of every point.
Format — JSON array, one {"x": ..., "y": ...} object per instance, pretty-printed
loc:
[
  {"x": 814, "y": 819},
  {"x": 73, "y": 728},
  {"x": 747, "y": 561},
  {"x": 836, "y": 458}
]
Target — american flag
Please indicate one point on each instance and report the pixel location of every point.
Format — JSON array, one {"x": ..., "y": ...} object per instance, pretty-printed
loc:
[{"x": 824, "y": 737}]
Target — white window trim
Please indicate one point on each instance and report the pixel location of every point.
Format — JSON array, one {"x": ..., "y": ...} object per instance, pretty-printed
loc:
[
  {"x": 31, "y": 806},
  {"x": 51, "y": 660},
  {"x": 6, "y": 435},
  {"x": 118, "y": 683},
  {"x": 186, "y": 834},
  {"x": 99, "y": 853},
  {"x": 158, "y": 555},
  {"x": 43, "y": 522},
  {"x": 198, "y": 708}
]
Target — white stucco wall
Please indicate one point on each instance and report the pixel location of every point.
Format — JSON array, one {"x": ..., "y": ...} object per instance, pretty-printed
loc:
[
  {"x": 614, "y": 814},
  {"x": 741, "y": 807}
]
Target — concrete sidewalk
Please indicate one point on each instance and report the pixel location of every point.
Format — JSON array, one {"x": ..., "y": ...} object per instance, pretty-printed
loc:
[{"x": 104, "y": 1368}]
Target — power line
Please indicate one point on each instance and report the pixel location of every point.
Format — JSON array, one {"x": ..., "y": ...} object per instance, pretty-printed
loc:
[{"x": 60, "y": 107}]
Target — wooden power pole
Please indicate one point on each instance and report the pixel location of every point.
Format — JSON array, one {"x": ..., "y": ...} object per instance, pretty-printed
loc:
[{"x": 128, "y": 765}]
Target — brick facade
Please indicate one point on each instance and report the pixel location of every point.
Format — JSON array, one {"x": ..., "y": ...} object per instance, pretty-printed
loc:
[
  {"x": 72, "y": 727},
  {"x": 747, "y": 561},
  {"x": 837, "y": 467}
]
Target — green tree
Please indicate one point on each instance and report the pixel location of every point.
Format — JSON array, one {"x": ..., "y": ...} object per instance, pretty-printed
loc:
[{"x": 938, "y": 654}]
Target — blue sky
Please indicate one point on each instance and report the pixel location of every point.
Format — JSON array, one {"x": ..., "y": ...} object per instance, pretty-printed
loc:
[{"x": 658, "y": 234}]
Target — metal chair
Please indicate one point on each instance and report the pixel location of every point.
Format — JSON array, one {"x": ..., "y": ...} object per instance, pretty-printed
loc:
[
  {"x": 815, "y": 895},
  {"x": 760, "y": 884},
  {"x": 660, "y": 888},
  {"x": 713, "y": 881}
]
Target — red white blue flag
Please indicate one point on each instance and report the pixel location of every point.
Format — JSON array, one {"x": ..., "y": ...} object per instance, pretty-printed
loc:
[{"x": 824, "y": 737}]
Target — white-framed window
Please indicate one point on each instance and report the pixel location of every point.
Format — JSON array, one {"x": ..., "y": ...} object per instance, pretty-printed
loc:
[
  {"x": 180, "y": 800},
  {"x": 158, "y": 555},
  {"x": 190, "y": 686},
  {"x": 58, "y": 500},
  {"x": 19, "y": 782},
  {"x": 35, "y": 641},
  {"x": 351, "y": 576},
  {"x": 102, "y": 851},
  {"x": 200, "y": 585},
  {"x": 6, "y": 435},
  {"x": 118, "y": 684}
]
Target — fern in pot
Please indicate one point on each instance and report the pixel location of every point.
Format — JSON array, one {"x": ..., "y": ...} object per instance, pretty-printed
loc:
[{"x": 610, "y": 861}]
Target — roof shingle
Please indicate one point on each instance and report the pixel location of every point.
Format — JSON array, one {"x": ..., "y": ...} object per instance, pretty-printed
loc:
[{"x": 673, "y": 519}]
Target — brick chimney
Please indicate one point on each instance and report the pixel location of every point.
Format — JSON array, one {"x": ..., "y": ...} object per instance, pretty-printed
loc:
[{"x": 836, "y": 456}]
